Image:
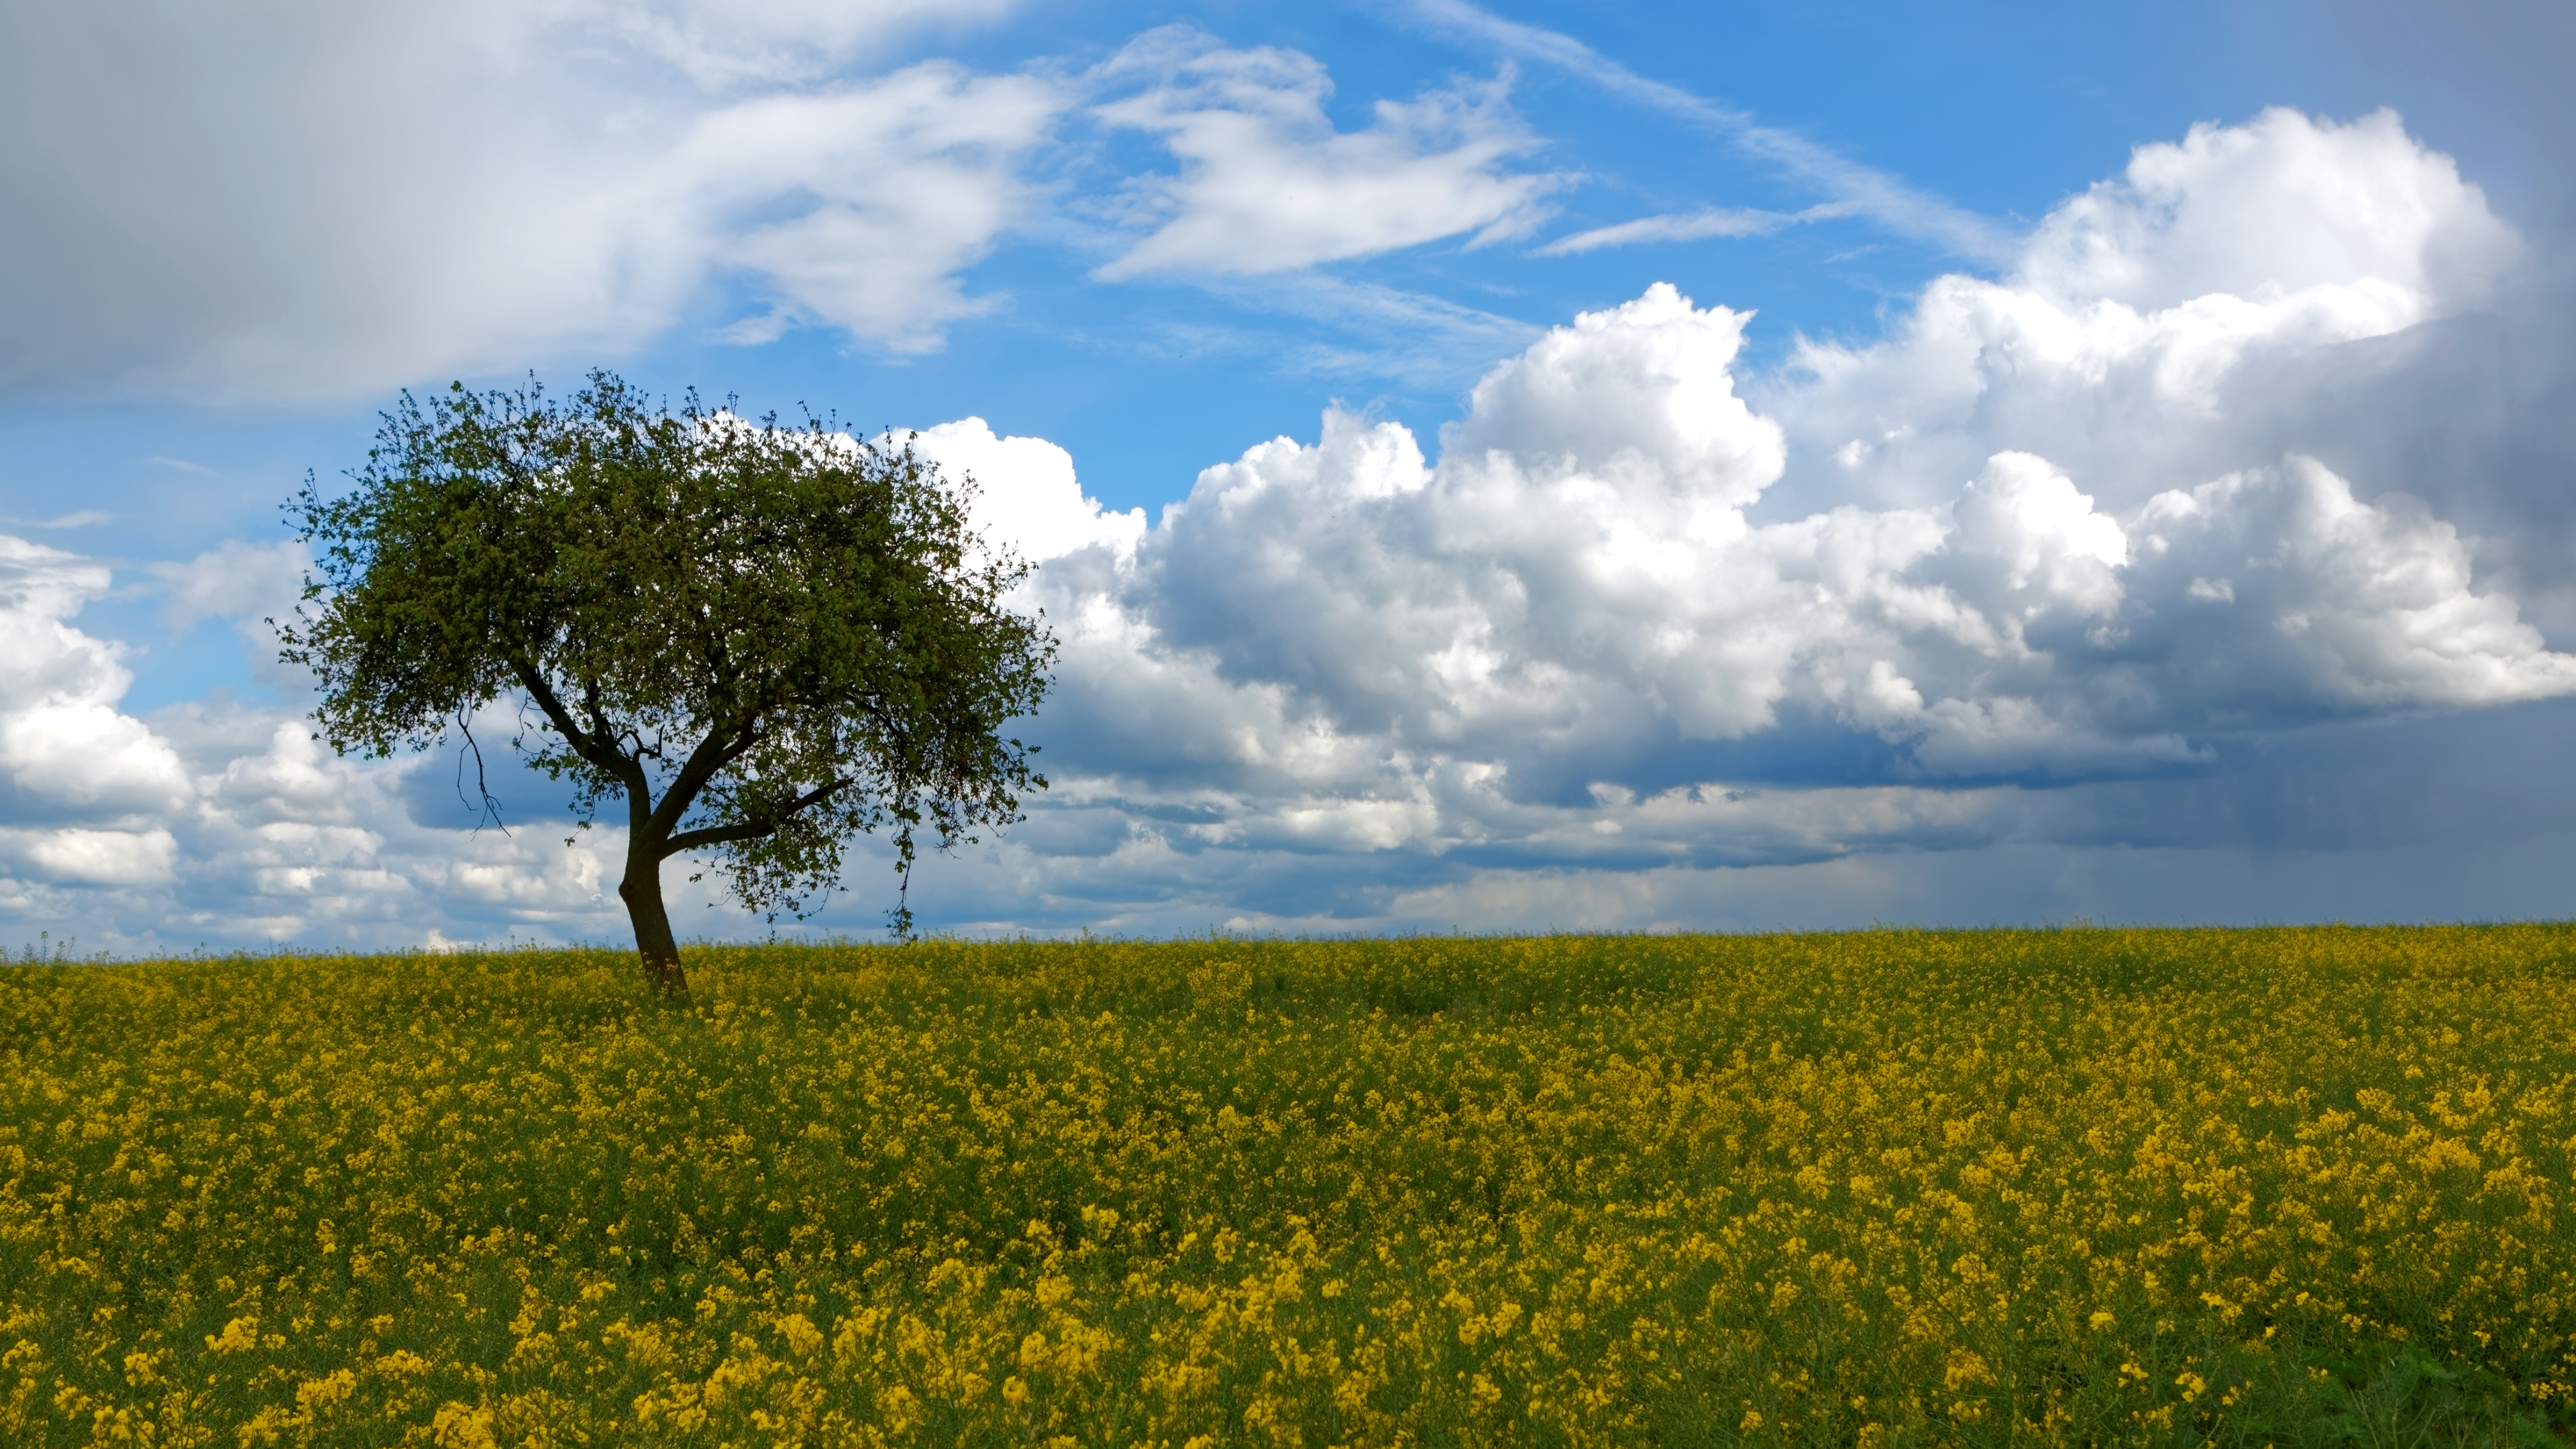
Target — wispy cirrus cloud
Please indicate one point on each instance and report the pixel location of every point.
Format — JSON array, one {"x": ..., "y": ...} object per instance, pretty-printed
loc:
[
  {"x": 81, "y": 518},
  {"x": 1716, "y": 221},
  {"x": 1861, "y": 189}
]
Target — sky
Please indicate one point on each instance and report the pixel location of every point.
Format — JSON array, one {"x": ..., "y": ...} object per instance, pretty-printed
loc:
[{"x": 1491, "y": 467}]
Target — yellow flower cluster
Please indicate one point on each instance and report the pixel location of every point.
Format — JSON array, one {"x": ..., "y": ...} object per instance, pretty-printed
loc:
[{"x": 2080, "y": 1187}]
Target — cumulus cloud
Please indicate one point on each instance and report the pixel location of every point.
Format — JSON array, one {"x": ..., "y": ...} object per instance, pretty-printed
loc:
[
  {"x": 2148, "y": 332},
  {"x": 1578, "y": 579},
  {"x": 105, "y": 857},
  {"x": 228, "y": 822},
  {"x": 1630, "y": 582},
  {"x": 1027, "y": 499},
  {"x": 1267, "y": 184},
  {"x": 255, "y": 832},
  {"x": 2357, "y": 224},
  {"x": 64, "y": 749}
]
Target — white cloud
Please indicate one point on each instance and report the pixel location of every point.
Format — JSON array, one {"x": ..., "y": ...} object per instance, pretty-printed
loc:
[
  {"x": 64, "y": 749},
  {"x": 1645, "y": 389},
  {"x": 2143, "y": 310},
  {"x": 1267, "y": 184},
  {"x": 105, "y": 857},
  {"x": 1027, "y": 499},
  {"x": 46, "y": 582},
  {"x": 2313, "y": 598},
  {"x": 2358, "y": 216},
  {"x": 899, "y": 185},
  {"x": 85, "y": 756},
  {"x": 234, "y": 580}
]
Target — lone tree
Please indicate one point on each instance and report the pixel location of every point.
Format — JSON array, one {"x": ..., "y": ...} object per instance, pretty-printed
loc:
[{"x": 761, "y": 638}]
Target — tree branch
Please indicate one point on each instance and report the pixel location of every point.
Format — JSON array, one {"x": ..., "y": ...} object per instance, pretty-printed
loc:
[
  {"x": 751, "y": 830},
  {"x": 902, "y": 739},
  {"x": 720, "y": 748},
  {"x": 589, "y": 744},
  {"x": 582, "y": 741}
]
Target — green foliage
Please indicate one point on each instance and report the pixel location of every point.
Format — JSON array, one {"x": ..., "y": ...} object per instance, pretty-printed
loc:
[
  {"x": 761, "y": 638},
  {"x": 2295, "y": 1187}
]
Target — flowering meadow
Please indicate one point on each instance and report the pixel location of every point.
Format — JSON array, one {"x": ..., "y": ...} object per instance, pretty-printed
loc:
[{"x": 2300, "y": 1186}]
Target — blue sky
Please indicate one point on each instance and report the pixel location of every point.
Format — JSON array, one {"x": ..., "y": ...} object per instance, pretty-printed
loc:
[{"x": 2070, "y": 528}]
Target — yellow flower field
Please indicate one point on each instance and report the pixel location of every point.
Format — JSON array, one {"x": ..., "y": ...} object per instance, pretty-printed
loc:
[{"x": 2085, "y": 1187}]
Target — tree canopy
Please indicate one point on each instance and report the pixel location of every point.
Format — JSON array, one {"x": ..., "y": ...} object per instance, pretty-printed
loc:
[{"x": 761, "y": 638}]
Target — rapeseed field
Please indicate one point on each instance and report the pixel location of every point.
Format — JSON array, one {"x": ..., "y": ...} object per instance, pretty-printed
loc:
[{"x": 2300, "y": 1186}]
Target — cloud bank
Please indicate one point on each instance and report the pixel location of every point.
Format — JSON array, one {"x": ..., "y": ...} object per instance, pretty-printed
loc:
[
  {"x": 2065, "y": 568},
  {"x": 320, "y": 202}
]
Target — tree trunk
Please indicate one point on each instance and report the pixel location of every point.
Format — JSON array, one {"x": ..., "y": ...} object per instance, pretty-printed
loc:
[{"x": 642, "y": 892}]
